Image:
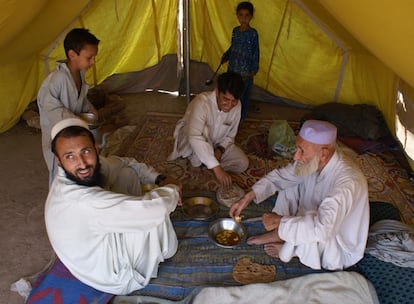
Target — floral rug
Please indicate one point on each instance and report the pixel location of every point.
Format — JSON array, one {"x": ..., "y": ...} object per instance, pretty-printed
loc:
[{"x": 153, "y": 142}]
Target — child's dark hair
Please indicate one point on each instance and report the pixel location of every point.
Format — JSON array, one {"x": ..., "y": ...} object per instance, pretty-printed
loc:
[
  {"x": 69, "y": 132},
  {"x": 245, "y": 5},
  {"x": 77, "y": 38},
  {"x": 231, "y": 82}
]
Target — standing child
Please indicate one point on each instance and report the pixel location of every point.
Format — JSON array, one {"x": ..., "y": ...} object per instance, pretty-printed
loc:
[
  {"x": 63, "y": 93},
  {"x": 243, "y": 54}
]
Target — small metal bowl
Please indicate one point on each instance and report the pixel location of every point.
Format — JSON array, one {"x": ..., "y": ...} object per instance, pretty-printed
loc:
[
  {"x": 200, "y": 208},
  {"x": 91, "y": 119},
  {"x": 148, "y": 187},
  {"x": 227, "y": 233}
]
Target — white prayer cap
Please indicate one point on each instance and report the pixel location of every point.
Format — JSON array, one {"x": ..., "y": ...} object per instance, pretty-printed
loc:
[
  {"x": 68, "y": 122},
  {"x": 318, "y": 132}
]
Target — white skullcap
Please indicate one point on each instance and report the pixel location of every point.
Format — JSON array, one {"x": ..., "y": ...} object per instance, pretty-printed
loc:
[
  {"x": 68, "y": 122},
  {"x": 318, "y": 132}
]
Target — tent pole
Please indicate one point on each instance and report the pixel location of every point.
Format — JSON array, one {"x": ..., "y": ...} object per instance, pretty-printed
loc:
[{"x": 187, "y": 49}]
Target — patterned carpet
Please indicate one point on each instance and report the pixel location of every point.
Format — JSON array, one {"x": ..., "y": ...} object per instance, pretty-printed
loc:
[{"x": 152, "y": 144}]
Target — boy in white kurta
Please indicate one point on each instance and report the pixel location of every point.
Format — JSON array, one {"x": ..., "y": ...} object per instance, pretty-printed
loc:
[
  {"x": 111, "y": 241},
  {"x": 208, "y": 129},
  {"x": 63, "y": 93},
  {"x": 321, "y": 213}
]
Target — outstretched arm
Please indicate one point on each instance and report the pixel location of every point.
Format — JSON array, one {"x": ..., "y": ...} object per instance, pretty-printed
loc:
[{"x": 240, "y": 205}]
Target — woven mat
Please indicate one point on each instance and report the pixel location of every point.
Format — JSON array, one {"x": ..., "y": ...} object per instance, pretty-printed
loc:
[
  {"x": 387, "y": 180},
  {"x": 199, "y": 262}
]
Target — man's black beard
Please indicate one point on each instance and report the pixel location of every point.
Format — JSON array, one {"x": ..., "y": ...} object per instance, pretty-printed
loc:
[{"x": 95, "y": 180}]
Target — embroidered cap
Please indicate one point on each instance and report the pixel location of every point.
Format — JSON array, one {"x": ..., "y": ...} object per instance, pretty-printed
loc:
[
  {"x": 318, "y": 132},
  {"x": 68, "y": 122}
]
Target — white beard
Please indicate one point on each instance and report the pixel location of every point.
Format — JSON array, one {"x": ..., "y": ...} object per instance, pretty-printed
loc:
[{"x": 302, "y": 169}]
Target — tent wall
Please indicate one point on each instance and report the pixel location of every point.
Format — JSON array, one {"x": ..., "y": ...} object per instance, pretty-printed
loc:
[
  {"x": 301, "y": 55},
  {"x": 384, "y": 27},
  {"x": 25, "y": 29},
  {"x": 306, "y": 54},
  {"x": 404, "y": 121},
  {"x": 134, "y": 35}
]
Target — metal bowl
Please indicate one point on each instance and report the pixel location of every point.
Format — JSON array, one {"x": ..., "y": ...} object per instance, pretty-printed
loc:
[
  {"x": 200, "y": 208},
  {"x": 91, "y": 119},
  {"x": 227, "y": 233},
  {"x": 148, "y": 187}
]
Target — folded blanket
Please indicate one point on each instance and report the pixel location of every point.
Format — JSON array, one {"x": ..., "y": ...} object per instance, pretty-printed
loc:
[
  {"x": 336, "y": 287},
  {"x": 392, "y": 241}
]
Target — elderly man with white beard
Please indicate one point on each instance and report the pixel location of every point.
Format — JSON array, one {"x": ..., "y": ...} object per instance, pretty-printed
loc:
[{"x": 321, "y": 214}]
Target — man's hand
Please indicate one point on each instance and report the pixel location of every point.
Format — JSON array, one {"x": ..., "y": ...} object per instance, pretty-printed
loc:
[
  {"x": 218, "y": 153},
  {"x": 171, "y": 180},
  {"x": 222, "y": 176},
  {"x": 237, "y": 207},
  {"x": 271, "y": 221}
]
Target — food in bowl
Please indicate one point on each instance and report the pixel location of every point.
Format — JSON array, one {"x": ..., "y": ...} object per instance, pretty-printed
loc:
[
  {"x": 227, "y": 238},
  {"x": 229, "y": 195},
  {"x": 227, "y": 233}
]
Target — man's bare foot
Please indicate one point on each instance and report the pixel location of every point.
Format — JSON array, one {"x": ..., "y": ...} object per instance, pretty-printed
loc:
[
  {"x": 268, "y": 237},
  {"x": 273, "y": 249}
]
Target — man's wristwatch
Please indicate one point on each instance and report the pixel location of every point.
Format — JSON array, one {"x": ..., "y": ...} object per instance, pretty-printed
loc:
[{"x": 160, "y": 178}]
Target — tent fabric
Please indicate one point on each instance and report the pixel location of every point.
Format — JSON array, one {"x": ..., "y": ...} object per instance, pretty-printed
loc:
[
  {"x": 133, "y": 34},
  {"x": 384, "y": 27},
  {"x": 312, "y": 52}
]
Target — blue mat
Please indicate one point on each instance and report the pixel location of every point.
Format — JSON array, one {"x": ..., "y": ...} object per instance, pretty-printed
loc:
[
  {"x": 394, "y": 285},
  {"x": 59, "y": 286},
  {"x": 199, "y": 262}
]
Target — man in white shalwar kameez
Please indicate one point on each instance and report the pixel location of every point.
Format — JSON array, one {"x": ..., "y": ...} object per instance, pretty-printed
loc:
[
  {"x": 207, "y": 131},
  {"x": 109, "y": 240},
  {"x": 321, "y": 213}
]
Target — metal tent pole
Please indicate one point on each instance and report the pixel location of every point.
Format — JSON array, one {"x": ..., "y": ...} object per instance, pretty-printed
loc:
[{"x": 187, "y": 48}]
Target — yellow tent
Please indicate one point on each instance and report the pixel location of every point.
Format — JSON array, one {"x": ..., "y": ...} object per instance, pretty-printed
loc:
[{"x": 312, "y": 51}]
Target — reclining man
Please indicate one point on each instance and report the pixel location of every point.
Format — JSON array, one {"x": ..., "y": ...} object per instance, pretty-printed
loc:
[
  {"x": 321, "y": 213},
  {"x": 207, "y": 131},
  {"x": 111, "y": 241}
]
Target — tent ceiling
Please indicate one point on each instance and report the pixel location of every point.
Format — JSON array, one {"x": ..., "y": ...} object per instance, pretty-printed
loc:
[
  {"x": 20, "y": 24},
  {"x": 383, "y": 27}
]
